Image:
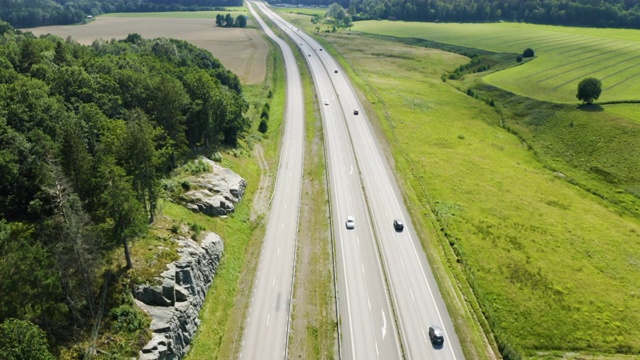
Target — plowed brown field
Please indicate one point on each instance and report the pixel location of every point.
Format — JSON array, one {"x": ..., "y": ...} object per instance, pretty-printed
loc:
[{"x": 242, "y": 51}]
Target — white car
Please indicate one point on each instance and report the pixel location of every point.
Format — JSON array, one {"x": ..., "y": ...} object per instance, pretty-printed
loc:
[
  {"x": 351, "y": 222},
  {"x": 326, "y": 102}
]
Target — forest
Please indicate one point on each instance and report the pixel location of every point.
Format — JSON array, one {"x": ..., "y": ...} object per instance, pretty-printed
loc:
[
  {"x": 586, "y": 13},
  {"x": 87, "y": 133},
  {"x": 34, "y": 13}
]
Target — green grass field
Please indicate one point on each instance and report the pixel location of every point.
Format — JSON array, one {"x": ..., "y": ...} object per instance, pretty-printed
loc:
[
  {"x": 565, "y": 55},
  {"x": 555, "y": 268},
  {"x": 233, "y": 10}
]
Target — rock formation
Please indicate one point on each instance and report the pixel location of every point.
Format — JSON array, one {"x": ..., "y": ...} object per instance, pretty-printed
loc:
[
  {"x": 214, "y": 193},
  {"x": 176, "y": 299}
]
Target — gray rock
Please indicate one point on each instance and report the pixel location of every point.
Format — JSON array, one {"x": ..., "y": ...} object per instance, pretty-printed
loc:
[
  {"x": 214, "y": 193},
  {"x": 174, "y": 305}
]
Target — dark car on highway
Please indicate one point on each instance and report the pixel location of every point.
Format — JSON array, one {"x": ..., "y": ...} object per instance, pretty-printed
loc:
[
  {"x": 436, "y": 335},
  {"x": 398, "y": 225}
]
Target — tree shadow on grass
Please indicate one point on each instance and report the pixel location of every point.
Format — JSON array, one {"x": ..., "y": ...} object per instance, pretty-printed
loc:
[{"x": 590, "y": 107}]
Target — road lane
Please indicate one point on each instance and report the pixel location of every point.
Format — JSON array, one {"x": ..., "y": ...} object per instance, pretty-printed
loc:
[{"x": 266, "y": 328}]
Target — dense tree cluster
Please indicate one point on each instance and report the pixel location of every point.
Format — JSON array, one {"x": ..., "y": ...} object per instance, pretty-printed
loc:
[
  {"x": 33, "y": 13},
  {"x": 593, "y": 13},
  {"x": 228, "y": 21},
  {"x": 86, "y": 134}
]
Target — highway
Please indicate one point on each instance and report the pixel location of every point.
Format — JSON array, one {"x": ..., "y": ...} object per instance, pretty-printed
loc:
[
  {"x": 266, "y": 328},
  {"x": 362, "y": 185}
]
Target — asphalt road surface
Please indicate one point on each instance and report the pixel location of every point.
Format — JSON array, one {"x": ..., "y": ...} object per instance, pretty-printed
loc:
[
  {"x": 266, "y": 328},
  {"x": 362, "y": 185}
]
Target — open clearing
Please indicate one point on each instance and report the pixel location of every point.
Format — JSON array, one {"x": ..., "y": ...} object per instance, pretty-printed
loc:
[
  {"x": 565, "y": 55},
  {"x": 555, "y": 268},
  {"x": 242, "y": 51}
]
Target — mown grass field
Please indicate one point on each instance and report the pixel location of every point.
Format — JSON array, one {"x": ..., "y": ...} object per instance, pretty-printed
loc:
[
  {"x": 565, "y": 55},
  {"x": 555, "y": 268}
]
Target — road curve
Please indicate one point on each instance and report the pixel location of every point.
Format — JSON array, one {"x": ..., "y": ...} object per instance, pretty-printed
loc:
[
  {"x": 412, "y": 286},
  {"x": 266, "y": 328}
]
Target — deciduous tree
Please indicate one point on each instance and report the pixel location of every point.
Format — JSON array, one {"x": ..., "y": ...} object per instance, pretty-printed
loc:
[{"x": 589, "y": 89}]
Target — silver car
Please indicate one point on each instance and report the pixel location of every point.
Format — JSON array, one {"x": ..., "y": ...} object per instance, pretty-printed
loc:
[{"x": 351, "y": 222}]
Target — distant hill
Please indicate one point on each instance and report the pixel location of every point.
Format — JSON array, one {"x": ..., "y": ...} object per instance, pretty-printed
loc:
[
  {"x": 591, "y": 13},
  {"x": 33, "y": 13}
]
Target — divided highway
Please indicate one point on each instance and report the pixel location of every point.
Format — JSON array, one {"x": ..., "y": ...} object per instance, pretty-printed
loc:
[
  {"x": 266, "y": 328},
  {"x": 362, "y": 185}
]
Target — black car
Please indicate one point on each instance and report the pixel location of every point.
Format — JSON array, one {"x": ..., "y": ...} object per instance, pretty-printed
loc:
[
  {"x": 436, "y": 335},
  {"x": 355, "y": 112},
  {"x": 398, "y": 225}
]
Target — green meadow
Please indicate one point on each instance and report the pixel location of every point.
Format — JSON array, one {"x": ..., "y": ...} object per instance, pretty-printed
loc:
[
  {"x": 564, "y": 55},
  {"x": 554, "y": 267}
]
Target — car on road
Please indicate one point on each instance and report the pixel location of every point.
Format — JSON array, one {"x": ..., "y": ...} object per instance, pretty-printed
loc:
[
  {"x": 326, "y": 102},
  {"x": 320, "y": 49},
  {"x": 355, "y": 112},
  {"x": 398, "y": 225},
  {"x": 309, "y": 55},
  {"x": 335, "y": 71},
  {"x": 436, "y": 335},
  {"x": 351, "y": 222}
]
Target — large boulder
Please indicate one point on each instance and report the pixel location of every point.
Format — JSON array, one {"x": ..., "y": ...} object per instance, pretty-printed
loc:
[
  {"x": 214, "y": 193},
  {"x": 177, "y": 297}
]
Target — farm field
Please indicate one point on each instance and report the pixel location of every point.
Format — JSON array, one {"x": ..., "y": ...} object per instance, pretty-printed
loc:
[
  {"x": 554, "y": 267},
  {"x": 233, "y": 10},
  {"x": 242, "y": 51},
  {"x": 565, "y": 55}
]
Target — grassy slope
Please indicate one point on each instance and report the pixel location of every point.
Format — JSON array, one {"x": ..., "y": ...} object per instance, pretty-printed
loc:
[
  {"x": 555, "y": 267},
  {"x": 564, "y": 55}
]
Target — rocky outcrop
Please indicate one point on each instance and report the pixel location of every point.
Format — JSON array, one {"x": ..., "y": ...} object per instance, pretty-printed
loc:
[
  {"x": 214, "y": 193},
  {"x": 176, "y": 299}
]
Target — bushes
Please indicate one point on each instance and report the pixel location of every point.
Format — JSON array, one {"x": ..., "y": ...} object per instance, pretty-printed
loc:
[
  {"x": 126, "y": 319},
  {"x": 527, "y": 53},
  {"x": 20, "y": 339},
  {"x": 264, "y": 117},
  {"x": 263, "y": 127}
]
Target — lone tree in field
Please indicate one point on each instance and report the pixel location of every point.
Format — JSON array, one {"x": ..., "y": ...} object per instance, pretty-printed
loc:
[
  {"x": 527, "y": 53},
  {"x": 589, "y": 89}
]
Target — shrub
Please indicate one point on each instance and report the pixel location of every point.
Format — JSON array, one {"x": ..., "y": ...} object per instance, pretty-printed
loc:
[
  {"x": 527, "y": 53},
  {"x": 216, "y": 156},
  {"x": 519, "y": 58},
  {"x": 186, "y": 186},
  {"x": 20, "y": 339},
  {"x": 263, "y": 126},
  {"x": 270, "y": 94},
  {"x": 265, "y": 114},
  {"x": 196, "y": 228},
  {"x": 126, "y": 319}
]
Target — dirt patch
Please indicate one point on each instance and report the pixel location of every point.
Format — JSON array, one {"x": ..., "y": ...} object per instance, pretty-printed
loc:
[
  {"x": 242, "y": 51},
  {"x": 262, "y": 198}
]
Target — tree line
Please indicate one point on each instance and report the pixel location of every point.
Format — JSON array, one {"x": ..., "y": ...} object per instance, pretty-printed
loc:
[
  {"x": 33, "y": 13},
  {"x": 86, "y": 135},
  {"x": 228, "y": 21},
  {"x": 589, "y": 13}
]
